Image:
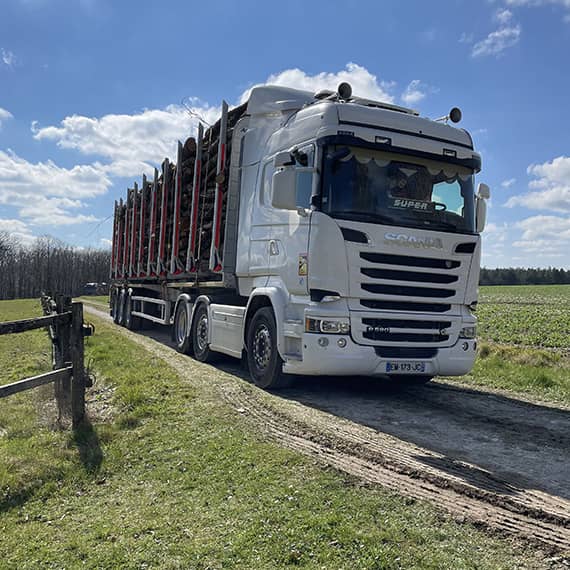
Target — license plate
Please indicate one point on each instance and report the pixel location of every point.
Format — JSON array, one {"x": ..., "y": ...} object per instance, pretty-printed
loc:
[{"x": 405, "y": 367}]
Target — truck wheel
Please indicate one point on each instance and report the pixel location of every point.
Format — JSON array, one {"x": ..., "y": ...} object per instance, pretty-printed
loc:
[
  {"x": 132, "y": 323},
  {"x": 413, "y": 380},
  {"x": 265, "y": 364},
  {"x": 122, "y": 302},
  {"x": 199, "y": 336},
  {"x": 180, "y": 330},
  {"x": 116, "y": 307}
]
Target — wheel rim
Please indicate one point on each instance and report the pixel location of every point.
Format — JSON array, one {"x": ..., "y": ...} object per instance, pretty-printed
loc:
[
  {"x": 181, "y": 325},
  {"x": 202, "y": 333},
  {"x": 262, "y": 347}
]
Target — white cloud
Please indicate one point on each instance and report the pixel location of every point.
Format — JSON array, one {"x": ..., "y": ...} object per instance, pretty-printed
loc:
[
  {"x": 553, "y": 227},
  {"x": 414, "y": 92},
  {"x": 8, "y": 58},
  {"x": 508, "y": 183},
  {"x": 564, "y": 4},
  {"x": 5, "y": 115},
  {"x": 364, "y": 84},
  {"x": 133, "y": 143},
  {"x": 503, "y": 16},
  {"x": 544, "y": 236},
  {"x": 551, "y": 189},
  {"x": 497, "y": 42},
  {"x": 106, "y": 242},
  {"x": 16, "y": 229},
  {"x": 47, "y": 194}
]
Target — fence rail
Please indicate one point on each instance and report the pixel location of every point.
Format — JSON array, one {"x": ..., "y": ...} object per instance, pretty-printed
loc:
[{"x": 64, "y": 321}]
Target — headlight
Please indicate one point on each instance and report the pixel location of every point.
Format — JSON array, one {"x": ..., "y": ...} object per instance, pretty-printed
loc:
[
  {"x": 327, "y": 326},
  {"x": 468, "y": 332}
]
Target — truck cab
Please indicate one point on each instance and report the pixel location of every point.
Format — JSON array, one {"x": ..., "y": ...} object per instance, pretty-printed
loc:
[{"x": 363, "y": 227}]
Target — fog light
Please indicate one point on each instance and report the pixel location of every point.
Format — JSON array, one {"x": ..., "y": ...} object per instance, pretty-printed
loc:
[
  {"x": 465, "y": 346},
  {"x": 323, "y": 341},
  {"x": 341, "y": 342}
]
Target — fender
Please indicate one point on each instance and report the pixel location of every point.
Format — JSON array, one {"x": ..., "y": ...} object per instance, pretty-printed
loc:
[
  {"x": 278, "y": 300},
  {"x": 202, "y": 299},
  {"x": 183, "y": 297}
]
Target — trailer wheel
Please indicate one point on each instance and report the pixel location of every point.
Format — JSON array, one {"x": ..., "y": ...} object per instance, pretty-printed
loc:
[
  {"x": 181, "y": 336},
  {"x": 413, "y": 380},
  {"x": 116, "y": 307},
  {"x": 265, "y": 364},
  {"x": 199, "y": 335},
  {"x": 132, "y": 323},
  {"x": 122, "y": 301}
]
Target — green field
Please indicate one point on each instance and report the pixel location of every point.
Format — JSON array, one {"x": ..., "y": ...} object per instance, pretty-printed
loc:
[
  {"x": 531, "y": 315},
  {"x": 170, "y": 476},
  {"x": 524, "y": 342}
]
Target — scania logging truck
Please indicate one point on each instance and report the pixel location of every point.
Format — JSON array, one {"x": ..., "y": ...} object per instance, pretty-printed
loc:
[{"x": 312, "y": 234}]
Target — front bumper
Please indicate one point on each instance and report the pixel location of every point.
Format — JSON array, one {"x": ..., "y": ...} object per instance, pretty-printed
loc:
[{"x": 357, "y": 360}]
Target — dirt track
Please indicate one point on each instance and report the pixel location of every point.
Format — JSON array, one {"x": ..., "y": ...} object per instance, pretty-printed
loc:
[{"x": 483, "y": 457}]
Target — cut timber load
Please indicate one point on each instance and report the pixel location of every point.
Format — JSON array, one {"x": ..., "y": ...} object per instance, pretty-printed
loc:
[{"x": 174, "y": 227}]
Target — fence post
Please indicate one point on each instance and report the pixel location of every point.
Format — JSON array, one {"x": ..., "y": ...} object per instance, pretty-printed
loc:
[
  {"x": 62, "y": 356},
  {"x": 78, "y": 382}
]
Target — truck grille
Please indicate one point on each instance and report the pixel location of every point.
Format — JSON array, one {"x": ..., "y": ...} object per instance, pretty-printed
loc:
[
  {"x": 425, "y": 288},
  {"x": 411, "y": 283}
]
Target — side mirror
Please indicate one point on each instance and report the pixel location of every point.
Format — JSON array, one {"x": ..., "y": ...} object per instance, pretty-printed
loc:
[
  {"x": 284, "y": 194},
  {"x": 282, "y": 159},
  {"x": 483, "y": 194},
  {"x": 483, "y": 191}
]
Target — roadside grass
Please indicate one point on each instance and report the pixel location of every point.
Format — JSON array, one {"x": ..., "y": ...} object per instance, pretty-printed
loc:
[
  {"x": 532, "y": 372},
  {"x": 96, "y": 299},
  {"x": 177, "y": 479},
  {"x": 29, "y": 454}
]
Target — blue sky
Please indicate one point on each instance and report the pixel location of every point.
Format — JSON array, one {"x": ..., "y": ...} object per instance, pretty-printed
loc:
[{"x": 91, "y": 92}]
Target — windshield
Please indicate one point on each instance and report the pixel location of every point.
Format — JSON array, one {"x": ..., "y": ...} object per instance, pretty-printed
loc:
[{"x": 388, "y": 188}]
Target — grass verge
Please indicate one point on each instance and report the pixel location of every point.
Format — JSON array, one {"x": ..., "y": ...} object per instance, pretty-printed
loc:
[
  {"x": 532, "y": 372},
  {"x": 175, "y": 479}
]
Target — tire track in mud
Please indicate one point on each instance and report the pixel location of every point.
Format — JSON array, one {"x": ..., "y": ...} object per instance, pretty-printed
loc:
[{"x": 462, "y": 489}]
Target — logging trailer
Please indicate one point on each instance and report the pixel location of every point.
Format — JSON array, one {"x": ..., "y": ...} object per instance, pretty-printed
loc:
[{"x": 313, "y": 234}]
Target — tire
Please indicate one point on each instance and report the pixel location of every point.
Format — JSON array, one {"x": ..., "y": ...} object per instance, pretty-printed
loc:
[
  {"x": 130, "y": 322},
  {"x": 199, "y": 335},
  {"x": 122, "y": 301},
  {"x": 264, "y": 363},
  {"x": 413, "y": 380},
  {"x": 180, "y": 333},
  {"x": 116, "y": 307}
]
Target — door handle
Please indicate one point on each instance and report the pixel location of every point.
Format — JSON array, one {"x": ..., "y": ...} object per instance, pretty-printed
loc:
[{"x": 273, "y": 247}]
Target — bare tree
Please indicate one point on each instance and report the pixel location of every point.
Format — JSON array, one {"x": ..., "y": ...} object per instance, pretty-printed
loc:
[{"x": 48, "y": 265}]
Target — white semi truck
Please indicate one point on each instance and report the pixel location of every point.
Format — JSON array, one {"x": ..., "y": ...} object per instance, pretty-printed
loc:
[{"x": 312, "y": 234}]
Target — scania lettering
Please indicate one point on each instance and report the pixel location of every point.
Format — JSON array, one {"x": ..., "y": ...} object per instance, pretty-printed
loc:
[{"x": 313, "y": 234}]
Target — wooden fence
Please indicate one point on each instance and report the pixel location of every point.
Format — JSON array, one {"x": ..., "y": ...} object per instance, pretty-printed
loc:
[{"x": 64, "y": 321}]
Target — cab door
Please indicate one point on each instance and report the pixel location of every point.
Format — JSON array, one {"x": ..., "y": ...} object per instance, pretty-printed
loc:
[{"x": 289, "y": 245}]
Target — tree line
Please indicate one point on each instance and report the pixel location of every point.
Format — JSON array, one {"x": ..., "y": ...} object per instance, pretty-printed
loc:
[
  {"x": 50, "y": 265},
  {"x": 524, "y": 276}
]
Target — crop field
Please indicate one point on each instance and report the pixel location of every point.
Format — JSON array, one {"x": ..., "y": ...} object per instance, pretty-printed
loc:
[
  {"x": 524, "y": 348},
  {"x": 529, "y": 315}
]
